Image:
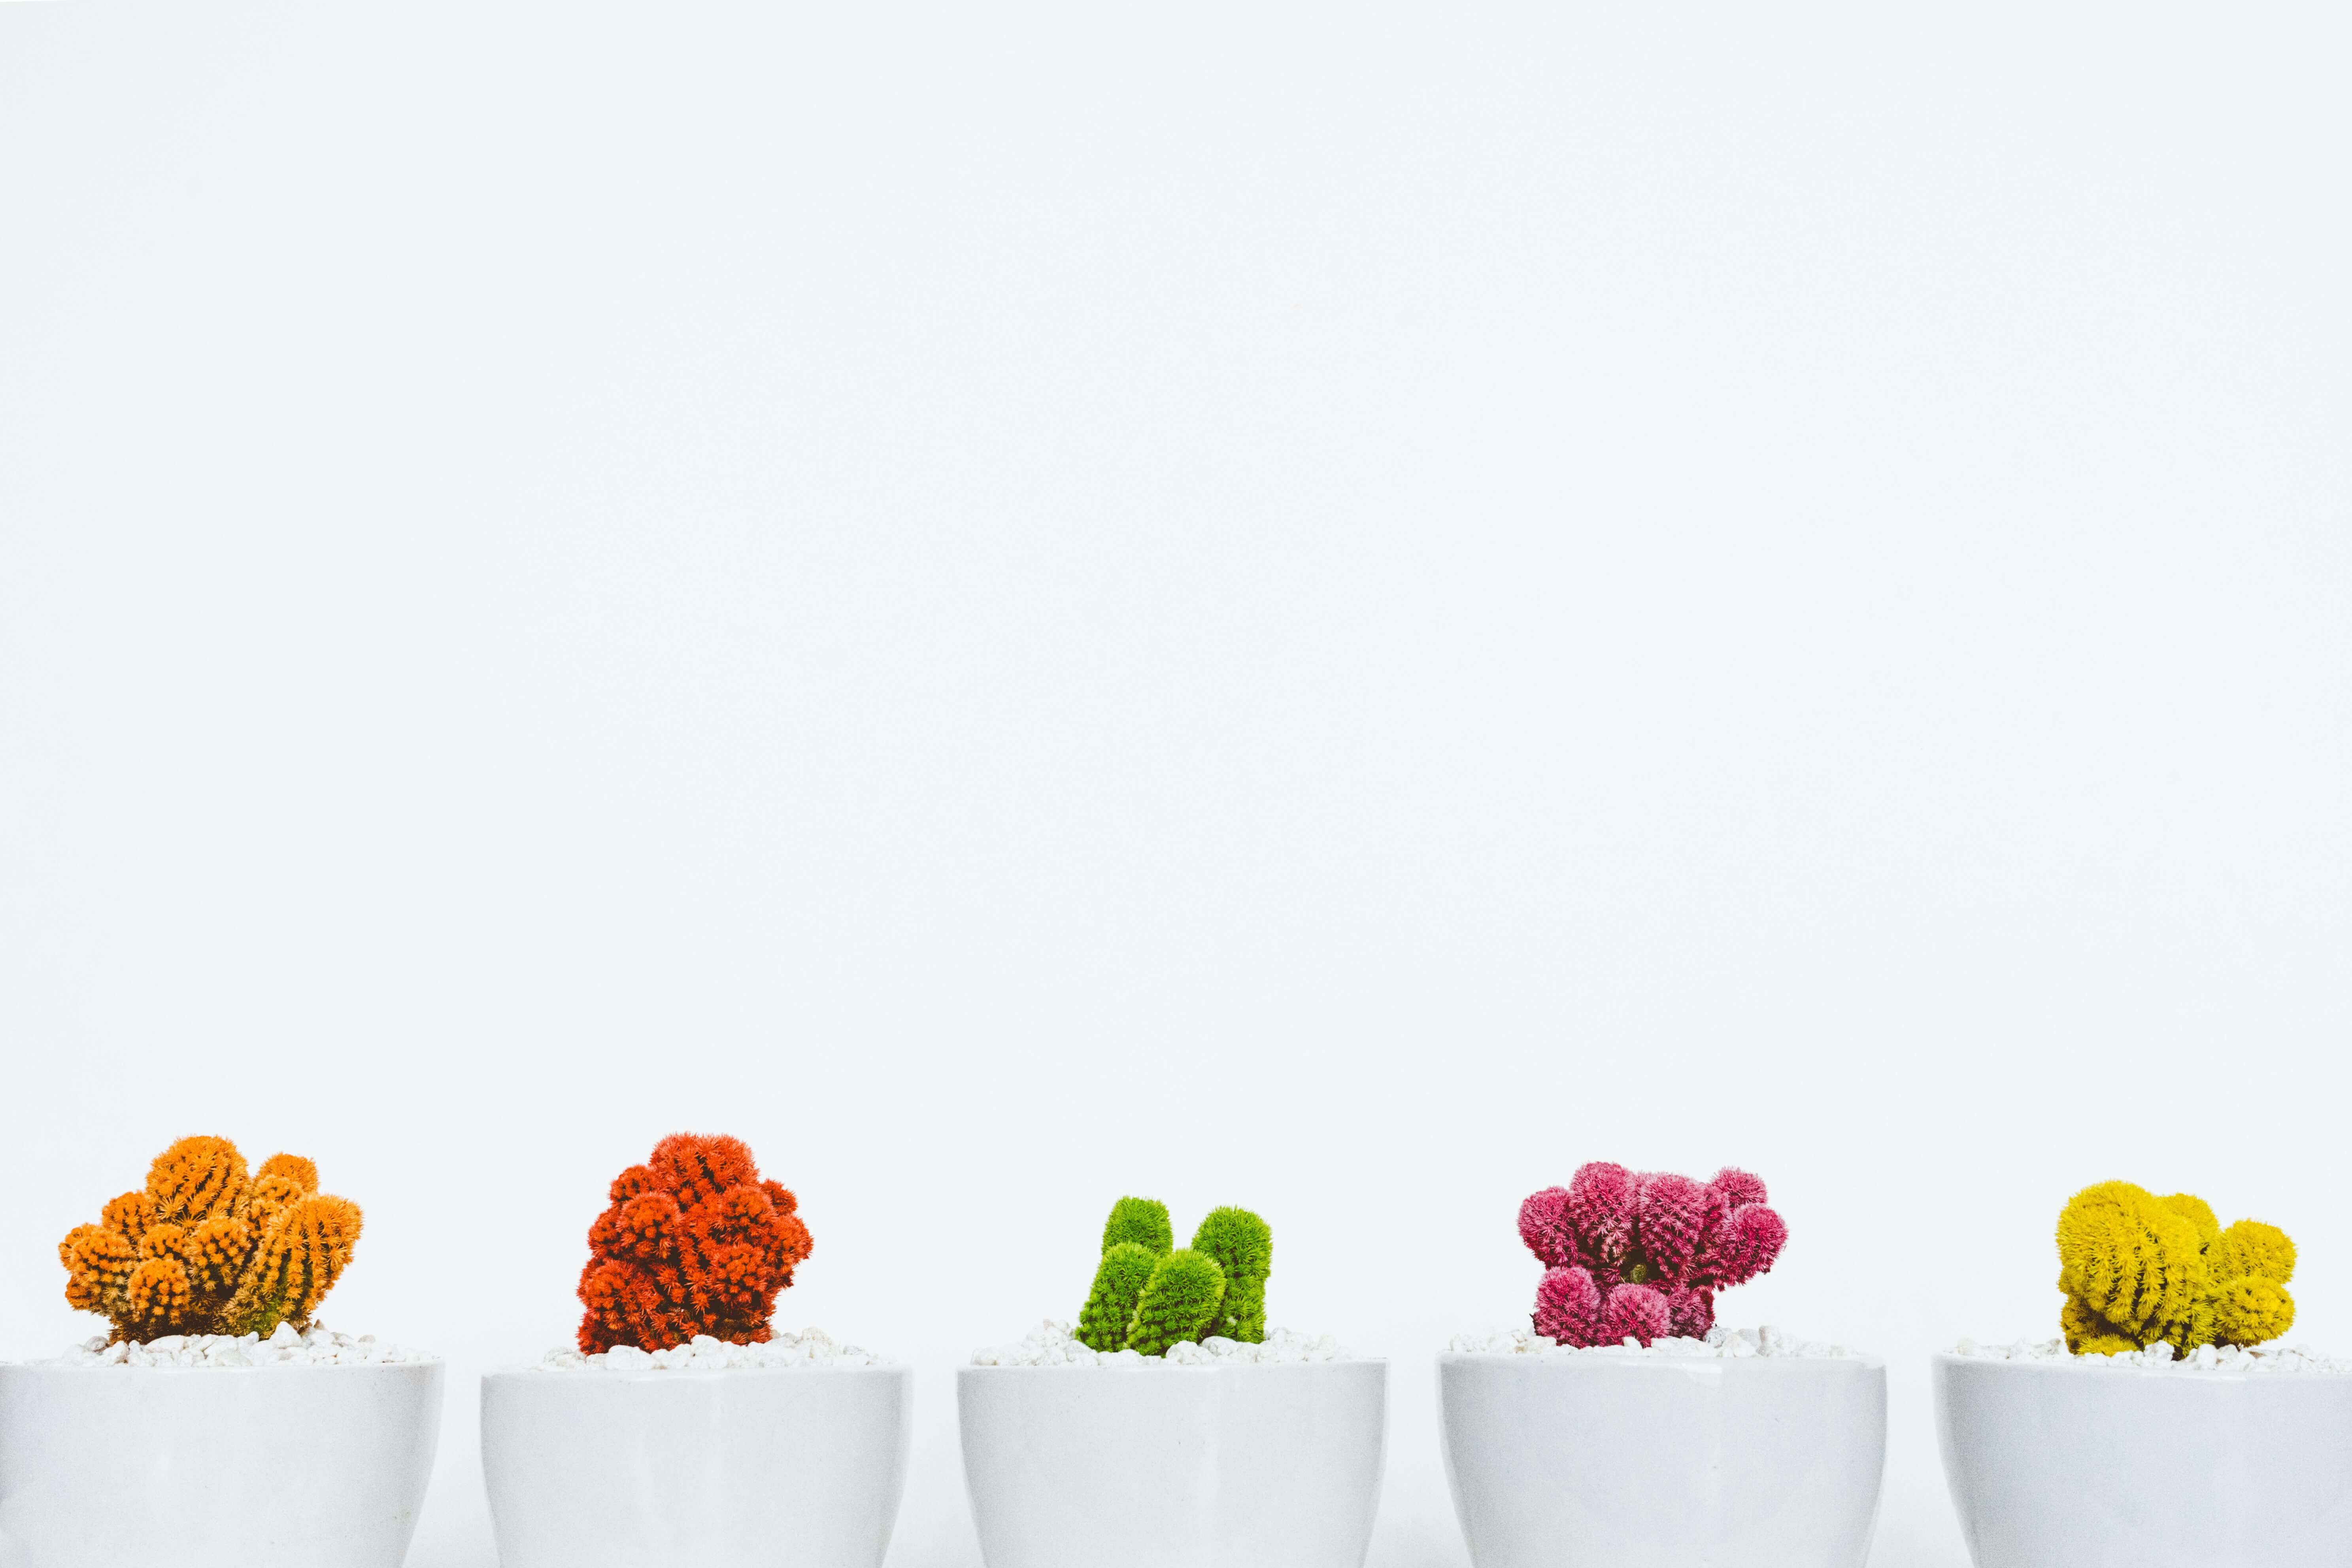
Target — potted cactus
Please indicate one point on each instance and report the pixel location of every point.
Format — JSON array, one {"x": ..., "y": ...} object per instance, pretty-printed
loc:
[
  {"x": 151, "y": 1442},
  {"x": 681, "y": 1426},
  {"x": 2165, "y": 1425},
  {"x": 1173, "y": 1428},
  {"x": 1554, "y": 1434}
]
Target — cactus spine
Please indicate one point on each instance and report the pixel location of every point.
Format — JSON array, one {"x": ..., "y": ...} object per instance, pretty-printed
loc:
[
  {"x": 207, "y": 1248},
  {"x": 1148, "y": 1295},
  {"x": 2138, "y": 1268}
]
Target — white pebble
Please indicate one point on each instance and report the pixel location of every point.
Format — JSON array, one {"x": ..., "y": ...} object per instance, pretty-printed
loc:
[
  {"x": 705, "y": 1353},
  {"x": 2273, "y": 1359},
  {"x": 320, "y": 1346},
  {"x": 1053, "y": 1344},
  {"x": 1721, "y": 1344}
]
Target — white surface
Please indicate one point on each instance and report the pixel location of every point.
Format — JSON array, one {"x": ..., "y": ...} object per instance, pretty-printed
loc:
[
  {"x": 1590, "y": 1461},
  {"x": 1232, "y": 1467},
  {"x": 774, "y": 1468},
  {"x": 2142, "y": 1468},
  {"x": 1337, "y": 608},
  {"x": 212, "y": 1468}
]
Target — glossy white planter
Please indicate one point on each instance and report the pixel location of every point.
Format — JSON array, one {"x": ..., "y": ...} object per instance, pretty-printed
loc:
[
  {"x": 2104, "y": 1466},
  {"x": 214, "y": 1466},
  {"x": 754, "y": 1467},
  {"x": 1228, "y": 1466},
  {"x": 1565, "y": 1461}
]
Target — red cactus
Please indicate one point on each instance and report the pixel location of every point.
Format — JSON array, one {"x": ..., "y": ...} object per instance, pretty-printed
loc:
[
  {"x": 694, "y": 1243},
  {"x": 1643, "y": 1254}
]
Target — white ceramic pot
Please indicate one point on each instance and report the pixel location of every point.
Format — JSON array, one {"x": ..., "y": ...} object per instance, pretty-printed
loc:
[
  {"x": 2091, "y": 1466},
  {"x": 754, "y": 1468},
  {"x": 325, "y": 1467},
  {"x": 1564, "y": 1461},
  {"x": 1174, "y": 1467}
]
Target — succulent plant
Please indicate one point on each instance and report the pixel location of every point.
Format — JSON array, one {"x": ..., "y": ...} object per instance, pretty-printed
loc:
[
  {"x": 208, "y": 1249},
  {"x": 1640, "y": 1254},
  {"x": 1149, "y": 1295},
  {"x": 693, "y": 1242},
  {"x": 2139, "y": 1270}
]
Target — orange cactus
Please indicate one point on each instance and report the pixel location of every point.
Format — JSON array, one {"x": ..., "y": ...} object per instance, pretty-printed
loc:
[
  {"x": 695, "y": 1242},
  {"x": 208, "y": 1249}
]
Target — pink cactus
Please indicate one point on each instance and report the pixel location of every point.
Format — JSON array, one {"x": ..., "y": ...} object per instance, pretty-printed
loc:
[
  {"x": 1543, "y": 1225},
  {"x": 1632, "y": 1311},
  {"x": 1568, "y": 1306},
  {"x": 1600, "y": 1213},
  {"x": 1643, "y": 1254}
]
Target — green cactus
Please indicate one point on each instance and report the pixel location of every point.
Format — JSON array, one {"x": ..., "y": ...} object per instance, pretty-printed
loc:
[
  {"x": 1143, "y": 1221},
  {"x": 1147, "y": 1297},
  {"x": 1180, "y": 1302},
  {"x": 1243, "y": 1246},
  {"x": 1125, "y": 1269}
]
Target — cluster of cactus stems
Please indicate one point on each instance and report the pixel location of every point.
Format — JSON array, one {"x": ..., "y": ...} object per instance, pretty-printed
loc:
[
  {"x": 1150, "y": 1294},
  {"x": 1638, "y": 1253},
  {"x": 2139, "y": 1270},
  {"x": 210, "y": 1248},
  {"x": 695, "y": 1242}
]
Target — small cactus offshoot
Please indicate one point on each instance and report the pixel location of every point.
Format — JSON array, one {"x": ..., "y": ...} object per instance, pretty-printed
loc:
[
  {"x": 1149, "y": 1295},
  {"x": 695, "y": 1242},
  {"x": 2138, "y": 1268},
  {"x": 208, "y": 1247},
  {"x": 1641, "y": 1254}
]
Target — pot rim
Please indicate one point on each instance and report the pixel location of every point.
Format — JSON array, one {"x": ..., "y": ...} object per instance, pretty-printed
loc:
[
  {"x": 118, "y": 1368},
  {"x": 1674, "y": 1363},
  {"x": 577, "y": 1374},
  {"x": 2079, "y": 1366},
  {"x": 1240, "y": 1366}
]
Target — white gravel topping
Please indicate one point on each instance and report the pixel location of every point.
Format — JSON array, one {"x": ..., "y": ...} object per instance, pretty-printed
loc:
[
  {"x": 318, "y": 1346},
  {"x": 1721, "y": 1344},
  {"x": 1052, "y": 1345},
  {"x": 2270, "y": 1358},
  {"x": 810, "y": 1347}
]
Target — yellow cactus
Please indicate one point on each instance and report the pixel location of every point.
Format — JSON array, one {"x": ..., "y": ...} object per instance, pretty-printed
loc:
[
  {"x": 208, "y": 1249},
  {"x": 2138, "y": 1268},
  {"x": 2249, "y": 1247},
  {"x": 2251, "y": 1312},
  {"x": 2198, "y": 1212}
]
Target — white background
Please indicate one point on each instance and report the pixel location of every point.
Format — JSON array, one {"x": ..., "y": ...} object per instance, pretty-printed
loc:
[{"x": 1334, "y": 609}]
